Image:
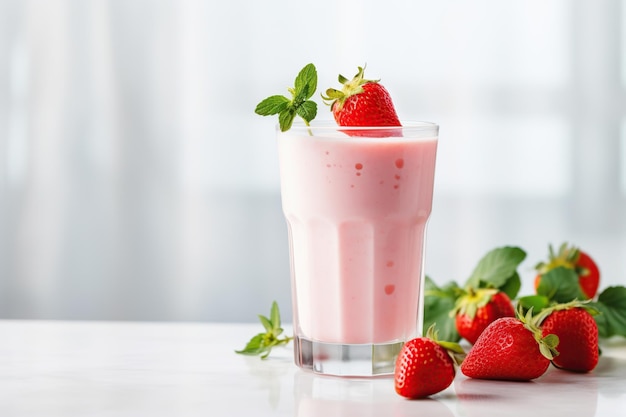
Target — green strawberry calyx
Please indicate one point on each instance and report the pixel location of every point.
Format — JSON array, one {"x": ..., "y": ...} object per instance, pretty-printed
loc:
[
  {"x": 455, "y": 350},
  {"x": 567, "y": 256},
  {"x": 350, "y": 88},
  {"x": 546, "y": 312},
  {"x": 547, "y": 344},
  {"x": 472, "y": 300}
]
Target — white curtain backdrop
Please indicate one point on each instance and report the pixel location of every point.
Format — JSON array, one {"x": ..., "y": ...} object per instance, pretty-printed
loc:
[{"x": 138, "y": 184}]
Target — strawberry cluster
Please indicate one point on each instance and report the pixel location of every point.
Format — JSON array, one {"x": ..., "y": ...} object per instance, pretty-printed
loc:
[{"x": 516, "y": 338}]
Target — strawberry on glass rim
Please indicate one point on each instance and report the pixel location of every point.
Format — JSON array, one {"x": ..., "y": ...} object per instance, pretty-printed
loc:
[
  {"x": 361, "y": 102},
  {"x": 573, "y": 258}
]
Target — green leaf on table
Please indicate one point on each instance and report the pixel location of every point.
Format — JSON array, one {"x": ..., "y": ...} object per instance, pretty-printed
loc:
[
  {"x": 275, "y": 316},
  {"x": 560, "y": 285},
  {"x": 262, "y": 343},
  {"x": 267, "y": 323},
  {"x": 536, "y": 302},
  {"x": 512, "y": 286},
  {"x": 438, "y": 303},
  {"x": 254, "y": 346},
  {"x": 498, "y": 269},
  {"x": 612, "y": 307}
]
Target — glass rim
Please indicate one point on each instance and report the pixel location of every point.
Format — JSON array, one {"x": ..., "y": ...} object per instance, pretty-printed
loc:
[
  {"x": 331, "y": 125},
  {"x": 330, "y": 130}
]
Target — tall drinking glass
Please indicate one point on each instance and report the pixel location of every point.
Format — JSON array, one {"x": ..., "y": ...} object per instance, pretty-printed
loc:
[{"x": 356, "y": 202}]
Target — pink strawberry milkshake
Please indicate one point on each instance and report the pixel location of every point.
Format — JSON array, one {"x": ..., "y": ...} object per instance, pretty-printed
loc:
[{"x": 356, "y": 210}]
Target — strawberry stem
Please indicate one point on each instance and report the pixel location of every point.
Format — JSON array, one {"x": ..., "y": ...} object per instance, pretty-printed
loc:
[
  {"x": 548, "y": 343},
  {"x": 351, "y": 87}
]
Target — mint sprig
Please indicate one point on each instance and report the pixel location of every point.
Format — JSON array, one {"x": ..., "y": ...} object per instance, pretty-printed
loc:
[
  {"x": 262, "y": 343},
  {"x": 299, "y": 103}
]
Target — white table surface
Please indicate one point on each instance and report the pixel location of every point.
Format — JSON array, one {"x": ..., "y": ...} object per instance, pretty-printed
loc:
[{"x": 52, "y": 368}]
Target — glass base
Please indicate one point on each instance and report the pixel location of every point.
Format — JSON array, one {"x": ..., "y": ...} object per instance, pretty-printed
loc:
[{"x": 363, "y": 360}]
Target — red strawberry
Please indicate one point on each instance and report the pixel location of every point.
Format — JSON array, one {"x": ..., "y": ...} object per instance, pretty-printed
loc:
[
  {"x": 477, "y": 309},
  {"x": 426, "y": 366},
  {"x": 361, "y": 102},
  {"x": 577, "y": 330},
  {"x": 573, "y": 258},
  {"x": 510, "y": 348}
]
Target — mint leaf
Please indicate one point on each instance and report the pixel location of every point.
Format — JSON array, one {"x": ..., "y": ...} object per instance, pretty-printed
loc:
[
  {"x": 560, "y": 285},
  {"x": 272, "y": 105},
  {"x": 285, "y": 119},
  {"x": 612, "y": 307},
  {"x": 262, "y": 343},
  {"x": 299, "y": 104},
  {"x": 253, "y": 346},
  {"x": 275, "y": 316},
  {"x": 496, "y": 268},
  {"x": 306, "y": 81},
  {"x": 438, "y": 303},
  {"x": 308, "y": 110},
  {"x": 267, "y": 323}
]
